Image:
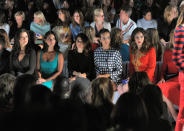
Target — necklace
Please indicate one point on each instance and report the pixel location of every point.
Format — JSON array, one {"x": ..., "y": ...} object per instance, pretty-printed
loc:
[{"x": 22, "y": 51}]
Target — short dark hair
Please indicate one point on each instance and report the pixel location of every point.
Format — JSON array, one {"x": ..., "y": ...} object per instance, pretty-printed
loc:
[
  {"x": 127, "y": 9},
  {"x": 102, "y": 31},
  {"x": 145, "y": 11}
]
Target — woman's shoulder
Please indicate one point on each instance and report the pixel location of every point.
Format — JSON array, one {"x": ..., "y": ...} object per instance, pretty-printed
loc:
[
  {"x": 59, "y": 54},
  {"x": 140, "y": 20},
  {"x": 98, "y": 49},
  {"x": 151, "y": 51}
]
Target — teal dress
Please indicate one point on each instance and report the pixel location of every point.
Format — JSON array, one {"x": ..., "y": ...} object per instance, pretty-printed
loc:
[{"x": 47, "y": 69}]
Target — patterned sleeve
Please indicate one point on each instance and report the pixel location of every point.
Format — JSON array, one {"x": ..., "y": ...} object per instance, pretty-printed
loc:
[
  {"x": 116, "y": 74},
  {"x": 178, "y": 55}
]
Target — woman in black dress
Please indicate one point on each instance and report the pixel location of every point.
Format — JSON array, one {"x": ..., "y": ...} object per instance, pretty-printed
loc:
[{"x": 23, "y": 56}]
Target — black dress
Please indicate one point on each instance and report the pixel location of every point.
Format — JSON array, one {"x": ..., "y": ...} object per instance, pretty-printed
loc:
[
  {"x": 164, "y": 28},
  {"x": 79, "y": 62},
  {"x": 25, "y": 66},
  {"x": 14, "y": 29}
]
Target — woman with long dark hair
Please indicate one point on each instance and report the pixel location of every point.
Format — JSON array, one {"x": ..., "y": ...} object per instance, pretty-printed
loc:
[
  {"x": 142, "y": 54},
  {"x": 49, "y": 60},
  {"x": 80, "y": 60},
  {"x": 23, "y": 56},
  {"x": 78, "y": 23}
]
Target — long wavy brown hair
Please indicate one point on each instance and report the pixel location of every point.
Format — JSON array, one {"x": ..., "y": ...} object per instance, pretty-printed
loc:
[
  {"x": 146, "y": 46},
  {"x": 155, "y": 41},
  {"x": 116, "y": 38},
  {"x": 81, "y": 24}
]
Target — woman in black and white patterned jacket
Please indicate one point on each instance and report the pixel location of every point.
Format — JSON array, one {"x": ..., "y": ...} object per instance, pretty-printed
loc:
[{"x": 108, "y": 62}]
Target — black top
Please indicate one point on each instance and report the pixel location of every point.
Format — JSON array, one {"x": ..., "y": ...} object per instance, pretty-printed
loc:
[
  {"x": 4, "y": 61},
  {"x": 26, "y": 65},
  {"x": 164, "y": 28},
  {"x": 81, "y": 63},
  {"x": 14, "y": 29}
]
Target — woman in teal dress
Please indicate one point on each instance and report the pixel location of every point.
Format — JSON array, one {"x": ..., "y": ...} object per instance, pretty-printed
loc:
[{"x": 49, "y": 61}]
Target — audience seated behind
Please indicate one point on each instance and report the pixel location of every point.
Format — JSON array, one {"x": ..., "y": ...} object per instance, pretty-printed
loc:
[{"x": 80, "y": 105}]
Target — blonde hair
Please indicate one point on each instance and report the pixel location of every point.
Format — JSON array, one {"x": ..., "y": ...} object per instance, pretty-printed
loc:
[
  {"x": 58, "y": 30},
  {"x": 90, "y": 33},
  {"x": 40, "y": 15},
  {"x": 97, "y": 12},
  {"x": 170, "y": 45},
  {"x": 168, "y": 11},
  {"x": 20, "y": 13},
  {"x": 61, "y": 30},
  {"x": 180, "y": 18}
]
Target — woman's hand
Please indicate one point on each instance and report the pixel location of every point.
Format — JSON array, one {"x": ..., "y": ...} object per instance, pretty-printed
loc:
[
  {"x": 73, "y": 46},
  {"x": 162, "y": 80},
  {"x": 38, "y": 36},
  {"x": 41, "y": 80},
  {"x": 163, "y": 42},
  {"x": 105, "y": 75},
  {"x": 72, "y": 79},
  {"x": 82, "y": 75},
  {"x": 96, "y": 40},
  {"x": 75, "y": 73}
]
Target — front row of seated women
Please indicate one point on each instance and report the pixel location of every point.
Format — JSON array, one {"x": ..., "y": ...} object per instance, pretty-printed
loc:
[
  {"x": 47, "y": 64},
  {"x": 105, "y": 61}
]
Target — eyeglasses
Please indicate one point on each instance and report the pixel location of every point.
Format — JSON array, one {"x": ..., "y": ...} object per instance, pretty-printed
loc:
[
  {"x": 79, "y": 41},
  {"x": 100, "y": 15},
  {"x": 105, "y": 38},
  {"x": 49, "y": 39},
  {"x": 22, "y": 38}
]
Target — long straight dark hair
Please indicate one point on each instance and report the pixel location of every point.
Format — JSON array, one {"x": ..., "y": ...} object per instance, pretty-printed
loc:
[
  {"x": 16, "y": 46},
  {"x": 45, "y": 46}
]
